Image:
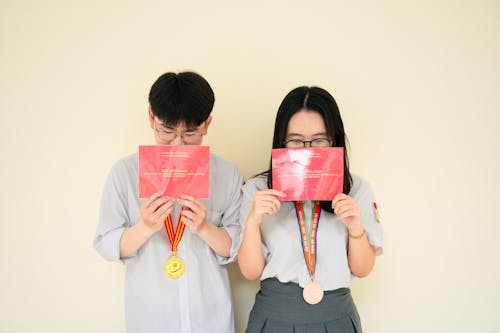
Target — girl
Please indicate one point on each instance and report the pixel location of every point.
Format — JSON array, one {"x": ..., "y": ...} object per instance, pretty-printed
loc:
[{"x": 295, "y": 296}]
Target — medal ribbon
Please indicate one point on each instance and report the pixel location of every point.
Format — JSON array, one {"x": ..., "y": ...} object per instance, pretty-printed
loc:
[
  {"x": 174, "y": 236},
  {"x": 308, "y": 237}
]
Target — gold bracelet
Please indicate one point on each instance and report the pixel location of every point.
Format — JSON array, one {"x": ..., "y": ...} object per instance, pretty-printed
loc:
[{"x": 357, "y": 237}]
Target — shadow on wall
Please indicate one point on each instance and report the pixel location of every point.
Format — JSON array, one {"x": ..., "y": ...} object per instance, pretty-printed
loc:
[{"x": 243, "y": 293}]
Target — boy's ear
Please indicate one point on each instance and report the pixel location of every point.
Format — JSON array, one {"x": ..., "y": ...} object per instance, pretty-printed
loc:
[
  {"x": 151, "y": 118},
  {"x": 207, "y": 124}
]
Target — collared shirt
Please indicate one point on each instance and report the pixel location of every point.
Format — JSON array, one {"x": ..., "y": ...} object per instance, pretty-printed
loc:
[
  {"x": 281, "y": 238},
  {"x": 198, "y": 301}
]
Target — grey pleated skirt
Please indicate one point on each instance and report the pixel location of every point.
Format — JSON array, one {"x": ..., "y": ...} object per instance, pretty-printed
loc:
[{"x": 279, "y": 307}]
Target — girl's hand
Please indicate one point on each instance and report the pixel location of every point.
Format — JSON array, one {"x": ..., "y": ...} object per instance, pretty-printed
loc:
[
  {"x": 265, "y": 203},
  {"x": 347, "y": 211}
]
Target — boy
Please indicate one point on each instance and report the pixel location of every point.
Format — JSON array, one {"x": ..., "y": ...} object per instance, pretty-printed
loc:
[{"x": 132, "y": 230}]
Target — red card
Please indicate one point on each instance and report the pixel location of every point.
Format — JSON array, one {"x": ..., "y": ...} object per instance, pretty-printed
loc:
[
  {"x": 174, "y": 170},
  {"x": 308, "y": 173}
]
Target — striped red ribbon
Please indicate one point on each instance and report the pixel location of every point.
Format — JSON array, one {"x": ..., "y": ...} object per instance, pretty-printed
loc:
[{"x": 174, "y": 236}]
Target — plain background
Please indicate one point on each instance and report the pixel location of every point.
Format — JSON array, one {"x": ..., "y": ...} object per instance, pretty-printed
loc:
[{"x": 417, "y": 83}]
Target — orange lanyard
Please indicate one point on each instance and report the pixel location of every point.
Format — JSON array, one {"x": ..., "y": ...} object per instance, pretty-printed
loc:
[
  {"x": 174, "y": 236},
  {"x": 308, "y": 237}
]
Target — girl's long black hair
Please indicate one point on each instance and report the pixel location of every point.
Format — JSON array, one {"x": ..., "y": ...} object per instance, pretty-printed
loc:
[{"x": 318, "y": 100}]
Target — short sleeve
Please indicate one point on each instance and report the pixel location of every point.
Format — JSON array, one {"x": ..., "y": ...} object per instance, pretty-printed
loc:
[
  {"x": 249, "y": 190},
  {"x": 113, "y": 215},
  {"x": 363, "y": 194},
  {"x": 230, "y": 215}
]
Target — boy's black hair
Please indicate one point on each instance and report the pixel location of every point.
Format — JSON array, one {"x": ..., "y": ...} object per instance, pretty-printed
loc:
[{"x": 185, "y": 98}]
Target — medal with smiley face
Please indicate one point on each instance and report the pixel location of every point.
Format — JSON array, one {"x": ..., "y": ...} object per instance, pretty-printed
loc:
[{"x": 174, "y": 267}]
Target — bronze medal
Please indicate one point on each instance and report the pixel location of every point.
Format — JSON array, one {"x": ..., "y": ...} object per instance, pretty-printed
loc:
[{"x": 313, "y": 292}]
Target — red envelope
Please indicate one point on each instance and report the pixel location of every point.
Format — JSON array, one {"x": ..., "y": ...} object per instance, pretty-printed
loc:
[
  {"x": 308, "y": 173},
  {"x": 174, "y": 170}
]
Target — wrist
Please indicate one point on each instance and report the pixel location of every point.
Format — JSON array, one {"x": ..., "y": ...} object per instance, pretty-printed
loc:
[
  {"x": 254, "y": 219},
  {"x": 357, "y": 231},
  {"x": 355, "y": 227},
  {"x": 145, "y": 230},
  {"x": 202, "y": 230}
]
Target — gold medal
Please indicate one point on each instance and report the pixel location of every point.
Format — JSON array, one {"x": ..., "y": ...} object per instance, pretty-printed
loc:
[{"x": 174, "y": 267}]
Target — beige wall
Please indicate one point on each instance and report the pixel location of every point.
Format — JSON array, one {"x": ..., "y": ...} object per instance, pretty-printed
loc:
[{"x": 417, "y": 82}]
